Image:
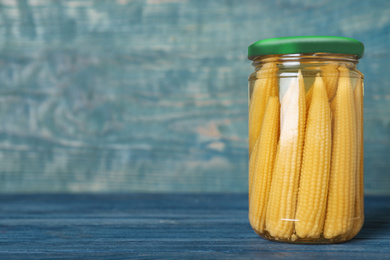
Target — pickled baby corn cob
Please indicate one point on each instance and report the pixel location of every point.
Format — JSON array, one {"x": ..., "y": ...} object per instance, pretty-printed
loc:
[
  {"x": 252, "y": 161},
  {"x": 313, "y": 183},
  {"x": 284, "y": 188},
  {"x": 262, "y": 175},
  {"x": 265, "y": 86},
  {"x": 341, "y": 197},
  {"x": 359, "y": 198}
]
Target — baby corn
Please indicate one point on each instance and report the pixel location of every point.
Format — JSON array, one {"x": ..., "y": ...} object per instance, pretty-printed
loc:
[
  {"x": 252, "y": 160},
  {"x": 266, "y": 152},
  {"x": 313, "y": 183},
  {"x": 341, "y": 198},
  {"x": 284, "y": 187},
  {"x": 359, "y": 199}
]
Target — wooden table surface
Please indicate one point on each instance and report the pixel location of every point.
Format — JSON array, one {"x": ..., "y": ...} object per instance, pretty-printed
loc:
[{"x": 163, "y": 226}]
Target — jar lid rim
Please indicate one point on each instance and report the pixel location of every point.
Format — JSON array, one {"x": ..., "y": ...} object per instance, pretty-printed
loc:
[{"x": 306, "y": 44}]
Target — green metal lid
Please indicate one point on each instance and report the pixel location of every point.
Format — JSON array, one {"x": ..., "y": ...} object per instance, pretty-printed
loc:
[{"x": 306, "y": 44}]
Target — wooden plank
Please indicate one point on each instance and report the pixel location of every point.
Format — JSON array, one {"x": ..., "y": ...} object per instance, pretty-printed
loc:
[
  {"x": 144, "y": 226},
  {"x": 111, "y": 96}
]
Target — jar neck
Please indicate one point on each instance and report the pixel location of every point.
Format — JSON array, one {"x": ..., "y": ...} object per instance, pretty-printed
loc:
[{"x": 313, "y": 59}]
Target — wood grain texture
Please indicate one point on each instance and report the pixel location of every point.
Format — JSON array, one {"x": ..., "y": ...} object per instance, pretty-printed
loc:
[
  {"x": 102, "y": 96},
  {"x": 163, "y": 226}
]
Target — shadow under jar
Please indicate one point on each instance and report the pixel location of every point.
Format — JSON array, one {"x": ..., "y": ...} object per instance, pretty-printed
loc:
[{"x": 306, "y": 139}]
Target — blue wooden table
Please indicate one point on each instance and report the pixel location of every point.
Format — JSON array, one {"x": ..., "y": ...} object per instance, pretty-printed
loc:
[{"x": 163, "y": 226}]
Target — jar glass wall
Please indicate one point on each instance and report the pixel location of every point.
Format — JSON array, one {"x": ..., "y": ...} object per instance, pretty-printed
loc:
[{"x": 306, "y": 147}]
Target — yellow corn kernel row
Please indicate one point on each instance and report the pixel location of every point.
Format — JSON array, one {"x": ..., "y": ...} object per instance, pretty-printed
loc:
[
  {"x": 313, "y": 184},
  {"x": 341, "y": 197},
  {"x": 265, "y": 86},
  {"x": 262, "y": 174},
  {"x": 359, "y": 199},
  {"x": 284, "y": 187}
]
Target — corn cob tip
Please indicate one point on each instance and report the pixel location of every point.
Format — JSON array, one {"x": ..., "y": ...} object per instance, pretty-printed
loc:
[{"x": 344, "y": 71}]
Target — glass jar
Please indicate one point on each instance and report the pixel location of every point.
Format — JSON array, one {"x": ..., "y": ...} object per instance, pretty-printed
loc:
[{"x": 306, "y": 139}]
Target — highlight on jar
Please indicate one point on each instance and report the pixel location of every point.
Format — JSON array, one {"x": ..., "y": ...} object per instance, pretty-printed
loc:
[{"x": 306, "y": 140}]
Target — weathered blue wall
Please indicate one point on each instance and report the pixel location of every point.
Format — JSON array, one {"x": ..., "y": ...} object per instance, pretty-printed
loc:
[{"x": 152, "y": 95}]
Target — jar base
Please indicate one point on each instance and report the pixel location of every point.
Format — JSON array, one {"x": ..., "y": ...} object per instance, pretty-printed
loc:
[{"x": 294, "y": 239}]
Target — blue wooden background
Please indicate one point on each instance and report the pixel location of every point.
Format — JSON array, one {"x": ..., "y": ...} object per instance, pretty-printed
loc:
[{"x": 151, "y": 96}]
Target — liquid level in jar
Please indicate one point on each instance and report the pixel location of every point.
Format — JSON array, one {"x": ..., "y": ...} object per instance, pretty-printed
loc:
[{"x": 306, "y": 154}]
